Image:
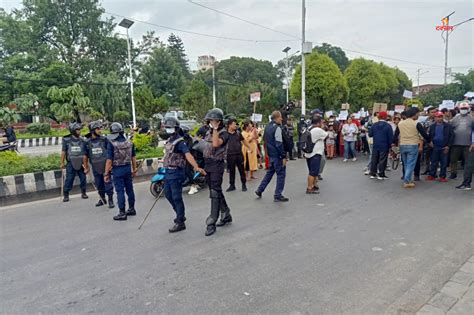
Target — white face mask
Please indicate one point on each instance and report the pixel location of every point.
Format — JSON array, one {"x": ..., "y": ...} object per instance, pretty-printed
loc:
[
  {"x": 169, "y": 131},
  {"x": 464, "y": 111}
]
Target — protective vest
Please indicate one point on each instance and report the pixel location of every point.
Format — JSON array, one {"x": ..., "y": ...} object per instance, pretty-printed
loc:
[
  {"x": 75, "y": 152},
  {"x": 122, "y": 153},
  {"x": 173, "y": 159},
  {"x": 98, "y": 154},
  {"x": 216, "y": 154}
]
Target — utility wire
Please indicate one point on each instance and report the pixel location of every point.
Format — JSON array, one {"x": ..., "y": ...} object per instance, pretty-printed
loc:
[
  {"x": 203, "y": 34},
  {"x": 62, "y": 83}
]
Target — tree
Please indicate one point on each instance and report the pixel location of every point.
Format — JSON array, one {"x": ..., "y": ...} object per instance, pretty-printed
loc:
[
  {"x": 122, "y": 117},
  {"x": 413, "y": 101},
  {"x": 326, "y": 87},
  {"x": 7, "y": 116},
  {"x": 365, "y": 83},
  {"x": 404, "y": 83},
  {"x": 144, "y": 101},
  {"x": 335, "y": 53},
  {"x": 452, "y": 91},
  {"x": 197, "y": 98},
  {"x": 243, "y": 70},
  {"x": 110, "y": 95},
  {"x": 176, "y": 49},
  {"x": 163, "y": 75},
  {"x": 281, "y": 66},
  {"x": 465, "y": 80},
  {"x": 26, "y": 103},
  {"x": 390, "y": 93},
  {"x": 70, "y": 103}
]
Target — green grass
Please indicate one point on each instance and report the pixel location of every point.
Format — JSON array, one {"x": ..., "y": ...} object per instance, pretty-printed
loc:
[{"x": 14, "y": 164}]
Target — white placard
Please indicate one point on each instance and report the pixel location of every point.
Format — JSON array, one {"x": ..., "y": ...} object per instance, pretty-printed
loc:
[
  {"x": 407, "y": 94},
  {"x": 449, "y": 104},
  {"x": 414, "y": 105},
  {"x": 391, "y": 112},
  {"x": 344, "y": 112},
  {"x": 469, "y": 94},
  {"x": 422, "y": 119},
  {"x": 254, "y": 97},
  {"x": 328, "y": 113},
  {"x": 342, "y": 116},
  {"x": 426, "y": 108},
  {"x": 441, "y": 106},
  {"x": 257, "y": 117},
  {"x": 357, "y": 115},
  {"x": 399, "y": 108}
]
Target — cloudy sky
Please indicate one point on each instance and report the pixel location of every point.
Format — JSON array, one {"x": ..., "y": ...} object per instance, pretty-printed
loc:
[{"x": 403, "y": 29}]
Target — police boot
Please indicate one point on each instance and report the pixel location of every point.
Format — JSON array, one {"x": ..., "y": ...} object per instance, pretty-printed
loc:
[
  {"x": 178, "y": 226},
  {"x": 131, "y": 211},
  {"x": 121, "y": 216},
  {"x": 66, "y": 197},
  {"x": 101, "y": 201},
  {"x": 84, "y": 195},
  {"x": 225, "y": 213},
  {"x": 111, "y": 202},
  {"x": 212, "y": 219}
]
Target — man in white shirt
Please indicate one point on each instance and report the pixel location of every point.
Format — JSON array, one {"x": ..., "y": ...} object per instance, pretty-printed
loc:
[{"x": 313, "y": 159}]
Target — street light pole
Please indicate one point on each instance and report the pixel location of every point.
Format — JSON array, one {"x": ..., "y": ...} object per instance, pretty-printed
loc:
[
  {"x": 126, "y": 24},
  {"x": 418, "y": 74},
  {"x": 214, "y": 84},
  {"x": 303, "y": 65},
  {"x": 287, "y": 72}
]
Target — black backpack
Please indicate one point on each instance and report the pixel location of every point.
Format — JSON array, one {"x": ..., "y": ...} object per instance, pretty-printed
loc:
[{"x": 307, "y": 144}]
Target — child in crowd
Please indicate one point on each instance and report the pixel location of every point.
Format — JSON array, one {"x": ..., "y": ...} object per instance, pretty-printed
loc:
[{"x": 331, "y": 142}]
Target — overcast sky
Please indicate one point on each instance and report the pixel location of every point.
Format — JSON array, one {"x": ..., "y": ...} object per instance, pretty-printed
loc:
[{"x": 403, "y": 29}]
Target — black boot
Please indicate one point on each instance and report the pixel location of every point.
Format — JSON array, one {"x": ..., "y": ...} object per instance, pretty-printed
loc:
[
  {"x": 121, "y": 216},
  {"x": 131, "y": 211},
  {"x": 84, "y": 195},
  {"x": 231, "y": 188},
  {"x": 244, "y": 187},
  {"x": 66, "y": 197},
  {"x": 101, "y": 201},
  {"x": 111, "y": 202},
  {"x": 178, "y": 226},
  {"x": 212, "y": 219},
  {"x": 225, "y": 213}
]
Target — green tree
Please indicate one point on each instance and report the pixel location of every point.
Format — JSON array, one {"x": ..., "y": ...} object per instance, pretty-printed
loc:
[
  {"x": 281, "y": 66},
  {"x": 109, "y": 95},
  {"x": 335, "y": 53},
  {"x": 404, "y": 83},
  {"x": 465, "y": 80},
  {"x": 244, "y": 70},
  {"x": 326, "y": 87},
  {"x": 390, "y": 93},
  {"x": 7, "y": 116},
  {"x": 70, "y": 103},
  {"x": 176, "y": 49},
  {"x": 413, "y": 101},
  {"x": 452, "y": 91},
  {"x": 162, "y": 104},
  {"x": 26, "y": 103},
  {"x": 197, "y": 98},
  {"x": 365, "y": 83},
  {"x": 122, "y": 117},
  {"x": 144, "y": 101}
]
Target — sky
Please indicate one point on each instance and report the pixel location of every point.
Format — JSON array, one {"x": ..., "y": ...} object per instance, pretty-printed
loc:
[{"x": 403, "y": 29}]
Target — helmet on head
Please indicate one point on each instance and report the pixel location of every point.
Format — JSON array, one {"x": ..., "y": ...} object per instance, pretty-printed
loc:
[
  {"x": 186, "y": 129},
  {"x": 215, "y": 114},
  {"x": 115, "y": 130},
  {"x": 171, "y": 122},
  {"x": 74, "y": 126},
  {"x": 93, "y": 125}
]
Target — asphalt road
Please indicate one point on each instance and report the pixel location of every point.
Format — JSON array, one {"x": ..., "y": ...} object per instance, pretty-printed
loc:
[
  {"x": 41, "y": 150},
  {"x": 360, "y": 247}
]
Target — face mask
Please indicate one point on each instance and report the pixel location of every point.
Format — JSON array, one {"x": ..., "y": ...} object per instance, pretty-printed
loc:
[
  {"x": 169, "y": 131},
  {"x": 464, "y": 111}
]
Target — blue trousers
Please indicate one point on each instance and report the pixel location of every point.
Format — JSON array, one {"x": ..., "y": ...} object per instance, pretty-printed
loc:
[
  {"x": 123, "y": 182},
  {"x": 438, "y": 156},
  {"x": 409, "y": 154},
  {"x": 71, "y": 173},
  {"x": 276, "y": 166},
  {"x": 103, "y": 187},
  {"x": 349, "y": 149},
  {"x": 174, "y": 194}
]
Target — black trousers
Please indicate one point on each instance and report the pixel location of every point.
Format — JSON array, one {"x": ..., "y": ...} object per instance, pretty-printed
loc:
[
  {"x": 378, "y": 163},
  {"x": 233, "y": 161}
]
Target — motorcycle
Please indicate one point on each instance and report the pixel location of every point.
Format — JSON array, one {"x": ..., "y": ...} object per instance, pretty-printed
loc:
[
  {"x": 11, "y": 146},
  {"x": 158, "y": 181}
]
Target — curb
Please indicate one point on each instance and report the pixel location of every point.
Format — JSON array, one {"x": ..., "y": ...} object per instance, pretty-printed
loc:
[
  {"x": 14, "y": 187},
  {"x": 37, "y": 142}
]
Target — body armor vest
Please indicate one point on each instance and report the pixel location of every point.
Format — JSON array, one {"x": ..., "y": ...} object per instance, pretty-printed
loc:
[
  {"x": 216, "y": 154},
  {"x": 173, "y": 159},
  {"x": 122, "y": 153},
  {"x": 75, "y": 153},
  {"x": 98, "y": 154}
]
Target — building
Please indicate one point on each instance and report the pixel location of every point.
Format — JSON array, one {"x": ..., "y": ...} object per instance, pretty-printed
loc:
[
  {"x": 205, "y": 62},
  {"x": 425, "y": 88}
]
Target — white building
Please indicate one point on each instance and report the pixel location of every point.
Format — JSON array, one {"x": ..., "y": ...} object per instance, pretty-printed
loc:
[{"x": 205, "y": 62}]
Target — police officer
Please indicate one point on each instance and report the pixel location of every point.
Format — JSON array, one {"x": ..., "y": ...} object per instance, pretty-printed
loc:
[
  {"x": 301, "y": 128},
  {"x": 214, "y": 164},
  {"x": 73, "y": 152},
  {"x": 96, "y": 154},
  {"x": 176, "y": 155},
  {"x": 122, "y": 164}
]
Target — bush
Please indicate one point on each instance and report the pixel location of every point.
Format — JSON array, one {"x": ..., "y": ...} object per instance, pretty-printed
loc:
[
  {"x": 141, "y": 141},
  {"x": 95, "y": 115},
  {"x": 39, "y": 128},
  {"x": 12, "y": 163},
  {"x": 122, "y": 117}
]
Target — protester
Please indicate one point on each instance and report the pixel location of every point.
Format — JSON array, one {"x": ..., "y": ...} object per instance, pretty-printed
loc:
[
  {"x": 235, "y": 156},
  {"x": 368, "y": 125},
  {"x": 122, "y": 164},
  {"x": 469, "y": 163},
  {"x": 331, "y": 142},
  {"x": 382, "y": 135},
  {"x": 301, "y": 128},
  {"x": 427, "y": 149},
  {"x": 462, "y": 126},
  {"x": 313, "y": 159},
  {"x": 349, "y": 130},
  {"x": 73, "y": 151},
  {"x": 440, "y": 138},
  {"x": 96, "y": 153},
  {"x": 273, "y": 137},
  {"x": 249, "y": 149},
  {"x": 408, "y": 136}
]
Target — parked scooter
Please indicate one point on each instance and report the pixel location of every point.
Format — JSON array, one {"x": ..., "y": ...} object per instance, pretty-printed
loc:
[
  {"x": 11, "y": 146},
  {"x": 158, "y": 181}
]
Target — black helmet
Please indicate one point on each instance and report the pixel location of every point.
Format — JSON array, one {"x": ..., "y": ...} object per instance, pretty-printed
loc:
[
  {"x": 74, "y": 126},
  {"x": 93, "y": 125},
  {"x": 215, "y": 114},
  {"x": 186, "y": 129},
  {"x": 171, "y": 122},
  {"x": 115, "y": 130}
]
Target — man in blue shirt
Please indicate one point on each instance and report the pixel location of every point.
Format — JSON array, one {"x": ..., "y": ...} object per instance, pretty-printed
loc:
[
  {"x": 176, "y": 155},
  {"x": 122, "y": 164},
  {"x": 382, "y": 134},
  {"x": 273, "y": 139},
  {"x": 441, "y": 136}
]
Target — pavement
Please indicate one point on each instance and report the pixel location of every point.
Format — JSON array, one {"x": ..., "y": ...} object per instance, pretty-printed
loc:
[
  {"x": 360, "y": 247},
  {"x": 40, "y": 150}
]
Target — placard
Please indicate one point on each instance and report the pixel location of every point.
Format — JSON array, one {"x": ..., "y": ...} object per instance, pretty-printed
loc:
[
  {"x": 391, "y": 112},
  {"x": 380, "y": 107},
  {"x": 328, "y": 114},
  {"x": 399, "y": 108},
  {"x": 342, "y": 117},
  {"x": 257, "y": 117},
  {"x": 449, "y": 104},
  {"x": 345, "y": 106},
  {"x": 254, "y": 97},
  {"x": 344, "y": 112},
  {"x": 356, "y": 116},
  {"x": 407, "y": 94}
]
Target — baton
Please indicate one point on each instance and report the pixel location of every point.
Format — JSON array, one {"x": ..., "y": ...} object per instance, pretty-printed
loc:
[
  {"x": 151, "y": 208},
  {"x": 62, "y": 184}
]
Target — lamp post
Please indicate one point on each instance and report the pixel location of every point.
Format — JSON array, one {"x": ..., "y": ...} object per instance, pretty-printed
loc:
[
  {"x": 303, "y": 65},
  {"x": 127, "y": 24},
  {"x": 286, "y": 72}
]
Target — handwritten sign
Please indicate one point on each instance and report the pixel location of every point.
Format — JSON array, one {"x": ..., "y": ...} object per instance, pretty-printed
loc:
[{"x": 399, "y": 108}]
